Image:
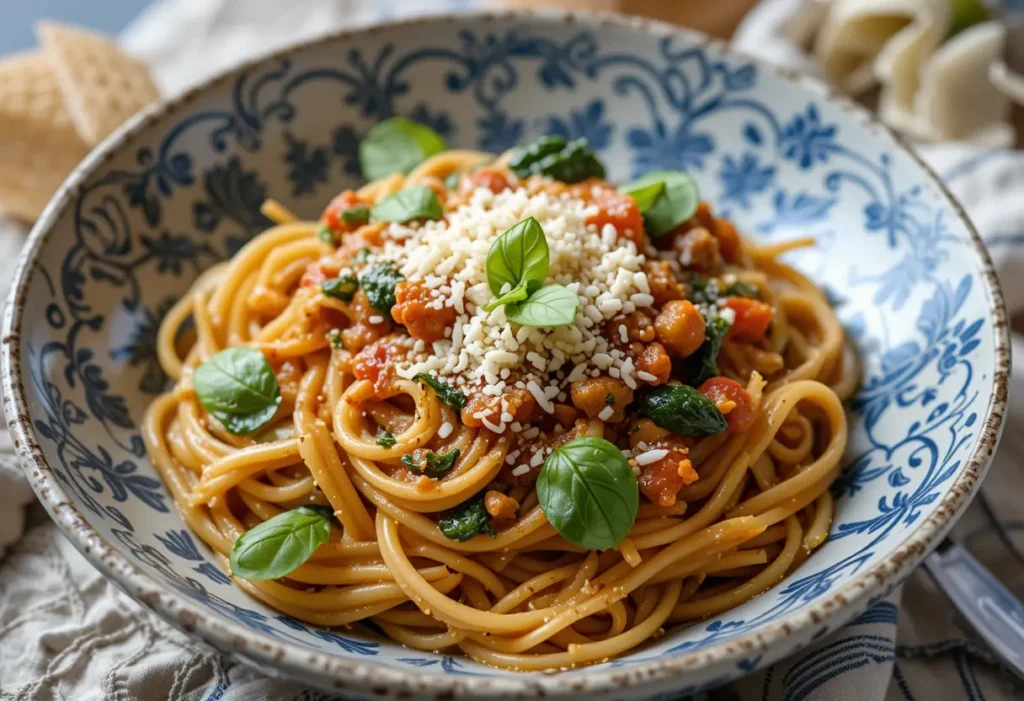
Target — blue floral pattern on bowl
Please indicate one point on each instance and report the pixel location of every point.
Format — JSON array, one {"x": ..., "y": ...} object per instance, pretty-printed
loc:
[{"x": 182, "y": 189}]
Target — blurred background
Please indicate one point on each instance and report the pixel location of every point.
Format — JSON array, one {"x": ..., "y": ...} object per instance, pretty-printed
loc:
[{"x": 719, "y": 17}]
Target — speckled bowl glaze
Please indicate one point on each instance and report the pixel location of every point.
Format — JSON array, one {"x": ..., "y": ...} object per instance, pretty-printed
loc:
[{"x": 180, "y": 187}]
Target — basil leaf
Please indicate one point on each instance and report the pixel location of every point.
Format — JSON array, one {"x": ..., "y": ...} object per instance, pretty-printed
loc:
[
  {"x": 682, "y": 410},
  {"x": 589, "y": 493},
  {"x": 280, "y": 545},
  {"x": 519, "y": 257},
  {"x": 468, "y": 519},
  {"x": 677, "y": 202},
  {"x": 397, "y": 144},
  {"x": 385, "y": 439},
  {"x": 361, "y": 255},
  {"x": 703, "y": 364},
  {"x": 356, "y": 215},
  {"x": 645, "y": 195},
  {"x": 569, "y": 162},
  {"x": 445, "y": 392},
  {"x": 416, "y": 202},
  {"x": 238, "y": 387},
  {"x": 433, "y": 465},
  {"x": 334, "y": 338},
  {"x": 343, "y": 288},
  {"x": 325, "y": 234},
  {"x": 379, "y": 284},
  {"x": 510, "y": 297},
  {"x": 451, "y": 181},
  {"x": 549, "y": 306}
]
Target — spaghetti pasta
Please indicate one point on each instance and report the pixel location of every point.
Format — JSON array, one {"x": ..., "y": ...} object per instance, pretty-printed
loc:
[{"x": 725, "y": 513}]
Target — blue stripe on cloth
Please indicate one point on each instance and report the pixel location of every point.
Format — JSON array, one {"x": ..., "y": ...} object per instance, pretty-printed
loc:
[
  {"x": 835, "y": 666},
  {"x": 901, "y": 682},
  {"x": 766, "y": 687},
  {"x": 814, "y": 657},
  {"x": 833, "y": 660},
  {"x": 882, "y": 612}
]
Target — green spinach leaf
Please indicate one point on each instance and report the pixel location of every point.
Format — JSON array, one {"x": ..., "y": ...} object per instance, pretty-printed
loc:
[
  {"x": 238, "y": 387},
  {"x": 343, "y": 287},
  {"x": 682, "y": 410},
  {"x": 468, "y": 519},
  {"x": 385, "y": 439},
  {"x": 356, "y": 215},
  {"x": 431, "y": 464},
  {"x": 379, "y": 284},
  {"x": 589, "y": 493},
  {"x": 569, "y": 162},
  {"x": 445, "y": 392},
  {"x": 703, "y": 364}
]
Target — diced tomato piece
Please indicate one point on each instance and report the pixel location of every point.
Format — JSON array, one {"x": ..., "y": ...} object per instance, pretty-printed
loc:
[
  {"x": 332, "y": 215},
  {"x": 621, "y": 212},
  {"x": 753, "y": 317},
  {"x": 732, "y": 399},
  {"x": 493, "y": 180},
  {"x": 728, "y": 240},
  {"x": 376, "y": 363}
]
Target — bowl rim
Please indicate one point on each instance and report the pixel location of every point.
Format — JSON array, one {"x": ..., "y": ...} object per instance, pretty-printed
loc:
[{"x": 289, "y": 660}]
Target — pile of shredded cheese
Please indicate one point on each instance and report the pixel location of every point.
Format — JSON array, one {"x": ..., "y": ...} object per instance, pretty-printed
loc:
[{"x": 484, "y": 349}]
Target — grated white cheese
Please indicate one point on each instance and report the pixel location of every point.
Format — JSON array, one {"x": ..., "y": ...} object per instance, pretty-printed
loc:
[
  {"x": 445, "y": 430},
  {"x": 651, "y": 456},
  {"x": 606, "y": 413},
  {"x": 484, "y": 350},
  {"x": 520, "y": 470},
  {"x": 646, "y": 376}
]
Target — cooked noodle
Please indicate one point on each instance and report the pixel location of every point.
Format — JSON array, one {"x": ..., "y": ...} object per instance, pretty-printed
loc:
[{"x": 526, "y": 599}]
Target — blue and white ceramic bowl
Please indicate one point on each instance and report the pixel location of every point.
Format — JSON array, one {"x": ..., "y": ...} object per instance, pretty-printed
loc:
[{"x": 180, "y": 187}]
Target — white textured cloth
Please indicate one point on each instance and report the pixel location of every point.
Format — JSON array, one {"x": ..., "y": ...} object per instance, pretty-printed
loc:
[{"x": 67, "y": 633}]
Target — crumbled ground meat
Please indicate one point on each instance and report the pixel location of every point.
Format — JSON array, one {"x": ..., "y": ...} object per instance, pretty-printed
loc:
[
  {"x": 655, "y": 361},
  {"x": 363, "y": 332},
  {"x": 680, "y": 327},
  {"x": 413, "y": 309},
  {"x": 698, "y": 250},
  {"x": 664, "y": 286},
  {"x": 499, "y": 506},
  {"x": 639, "y": 327},
  {"x": 518, "y": 402},
  {"x": 593, "y": 395}
]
